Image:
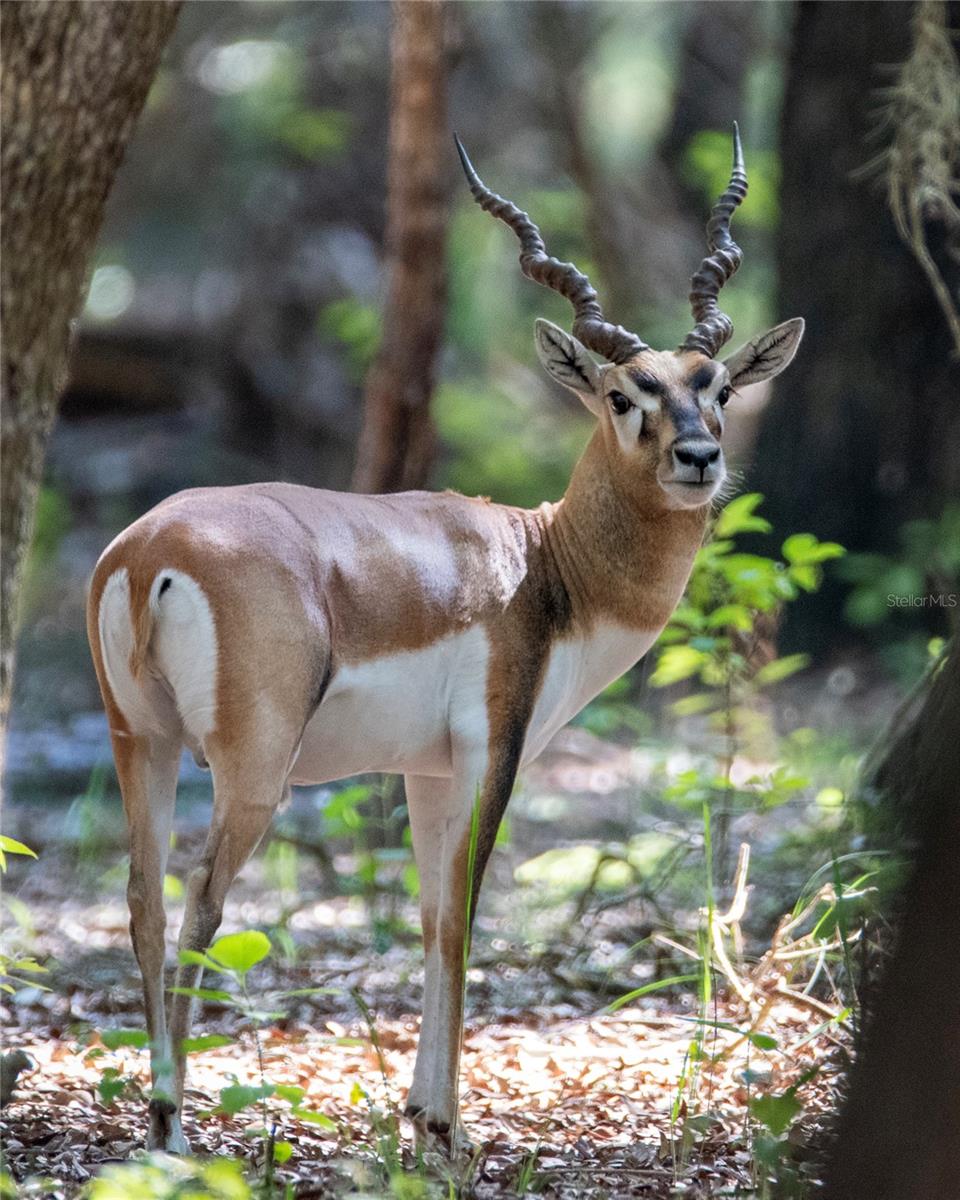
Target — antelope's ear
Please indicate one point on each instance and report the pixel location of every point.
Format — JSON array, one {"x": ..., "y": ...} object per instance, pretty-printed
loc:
[
  {"x": 767, "y": 355},
  {"x": 568, "y": 363}
]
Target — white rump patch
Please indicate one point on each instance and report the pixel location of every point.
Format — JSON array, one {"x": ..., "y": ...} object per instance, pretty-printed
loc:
[
  {"x": 183, "y": 652},
  {"x": 116, "y": 646},
  {"x": 184, "y": 648}
]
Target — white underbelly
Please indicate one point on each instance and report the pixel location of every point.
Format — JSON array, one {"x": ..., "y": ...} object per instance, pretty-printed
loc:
[
  {"x": 405, "y": 713},
  {"x": 401, "y": 713},
  {"x": 578, "y": 670}
]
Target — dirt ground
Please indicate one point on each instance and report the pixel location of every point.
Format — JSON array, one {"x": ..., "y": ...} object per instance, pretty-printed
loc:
[{"x": 560, "y": 1095}]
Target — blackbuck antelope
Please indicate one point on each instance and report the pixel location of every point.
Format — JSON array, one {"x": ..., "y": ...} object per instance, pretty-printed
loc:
[{"x": 288, "y": 635}]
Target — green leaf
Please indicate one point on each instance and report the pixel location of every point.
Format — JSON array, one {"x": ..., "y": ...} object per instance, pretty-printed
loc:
[
  {"x": 111, "y": 1085},
  {"x": 829, "y": 798},
  {"x": 781, "y": 668},
  {"x": 240, "y": 951},
  {"x": 739, "y": 517},
  {"x": 30, "y": 965},
  {"x": 803, "y": 549},
  {"x": 308, "y": 991},
  {"x": 222, "y": 1179},
  {"x": 209, "y": 1041},
  {"x": 777, "y": 1113},
  {"x": 206, "y": 994},
  {"x": 656, "y": 986},
  {"x": 193, "y": 958},
  {"x": 315, "y": 1118},
  {"x": 677, "y": 663},
  {"x": 113, "y": 1039},
  {"x": 172, "y": 888},
  {"x": 804, "y": 576},
  {"x": 11, "y": 846},
  {"x": 691, "y": 705},
  {"x": 238, "y": 1096},
  {"x": 289, "y": 1092},
  {"x": 866, "y": 606},
  {"x": 736, "y": 615},
  {"x": 282, "y": 1152}
]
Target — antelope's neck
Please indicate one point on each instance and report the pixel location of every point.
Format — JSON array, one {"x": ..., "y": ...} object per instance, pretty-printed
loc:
[{"x": 622, "y": 556}]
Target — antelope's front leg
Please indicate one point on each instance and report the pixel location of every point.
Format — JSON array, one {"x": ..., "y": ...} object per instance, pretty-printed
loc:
[{"x": 441, "y": 814}]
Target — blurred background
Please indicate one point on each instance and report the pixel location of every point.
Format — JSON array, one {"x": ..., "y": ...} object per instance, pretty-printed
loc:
[
  {"x": 237, "y": 302},
  {"x": 239, "y": 286},
  {"x": 234, "y": 330}
]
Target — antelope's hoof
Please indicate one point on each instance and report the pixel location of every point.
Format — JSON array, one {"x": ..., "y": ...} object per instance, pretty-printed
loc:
[
  {"x": 432, "y": 1136},
  {"x": 165, "y": 1132}
]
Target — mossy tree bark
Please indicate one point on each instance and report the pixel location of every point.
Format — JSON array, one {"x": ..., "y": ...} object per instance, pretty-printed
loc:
[
  {"x": 75, "y": 77},
  {"x": 396, "y": 445}
]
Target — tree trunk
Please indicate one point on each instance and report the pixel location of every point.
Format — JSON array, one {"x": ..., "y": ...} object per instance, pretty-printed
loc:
[
  {"x": 75, "y": 77},
  {"x": 862, "y": 433},
  {"x": 397, "y": 438},
  {"x": 719, "y": 43},
  {"x": 899, "y": 1135}
]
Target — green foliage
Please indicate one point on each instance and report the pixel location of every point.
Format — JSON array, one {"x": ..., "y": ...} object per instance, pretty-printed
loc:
[
  {"x": 889, "y": 591},
  {"x": 92, "y": 824},
  {"x": 113, "y": 1039},
  {"x": 168, "y": 1177},
  {"x": 357, "y": 327},
  {"x": 281, "y": 868},
  {"x": 503, "y": 446},
  {"x": 239, "y": 952},
  {"x": 615, "y": 711},
  {"x": 270, "y": 113},
  {"x": 9, "y": 845},
  {"x": 712, "y": 644},
  {"x": 774, "y": 1115},
  {"x": 569, "y": 869},
  {"x": 923, "y": 573},
  {"x": 234, "y": 955},
  {"x": 713, "y": 632},
  {"x": 51, "y": 523},
  {"x": 13, "y": 962},
  {"x": 343, "y": 814}
]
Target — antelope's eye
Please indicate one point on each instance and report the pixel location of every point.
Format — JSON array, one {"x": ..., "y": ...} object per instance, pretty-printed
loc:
[
  {"x": 619, "y": 403},
  {"x": 724, "y": 395}
]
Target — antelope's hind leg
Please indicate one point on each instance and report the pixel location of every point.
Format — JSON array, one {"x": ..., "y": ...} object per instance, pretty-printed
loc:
[
  {"x": 147, "y": 771},
  {"x": 249, "y": 780}
]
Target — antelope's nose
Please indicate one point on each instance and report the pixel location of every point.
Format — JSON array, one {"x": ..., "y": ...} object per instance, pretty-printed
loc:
[{"x": 696, "y": 454}]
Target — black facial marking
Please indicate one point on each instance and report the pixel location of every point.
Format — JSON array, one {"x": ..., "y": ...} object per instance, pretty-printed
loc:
[
  {"x": 702, "y": 378},
  {"x": 164, "y": 584},
  {"x": 647, "y": 383},
  {"x": 685, "y": 416}
]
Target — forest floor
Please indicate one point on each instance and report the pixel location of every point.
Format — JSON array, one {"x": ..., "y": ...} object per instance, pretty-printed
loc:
[
  {"x": 563, "y": 1105},
  {"x": 562, "y": 1095}
]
